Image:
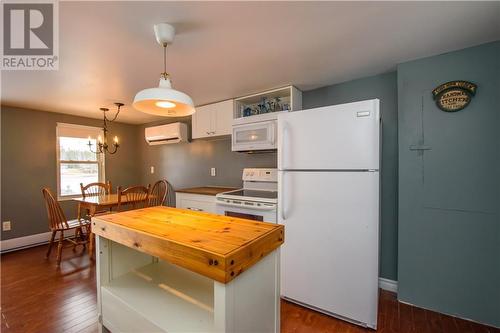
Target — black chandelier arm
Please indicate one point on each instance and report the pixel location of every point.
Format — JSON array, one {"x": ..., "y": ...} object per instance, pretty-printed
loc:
[
  {"x": 98, "y": 151},
  {"x": 114, "y": 151},
  {"x": 116, "y": 114}
]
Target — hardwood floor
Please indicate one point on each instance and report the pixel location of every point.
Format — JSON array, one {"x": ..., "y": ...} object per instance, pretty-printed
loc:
[
  {"x": 36, "y": 296},
  {"x": 39, "y": 297}
]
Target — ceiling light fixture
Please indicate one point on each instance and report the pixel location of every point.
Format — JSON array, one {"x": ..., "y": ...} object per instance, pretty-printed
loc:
[
  {"x": 102, "y": 146},
  {"x": 164, "y": 101},
  {"x": 165, "y": 104}
]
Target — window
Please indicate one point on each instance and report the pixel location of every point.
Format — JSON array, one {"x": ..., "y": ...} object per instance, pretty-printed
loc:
[{"x": 75, "y": 162}]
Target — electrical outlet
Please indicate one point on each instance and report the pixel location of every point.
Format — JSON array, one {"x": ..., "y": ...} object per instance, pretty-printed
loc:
[
  {"x": 212, "y": 172},
  {"x": 6, "y": 225},
  {"x": 152, "y": 169}
]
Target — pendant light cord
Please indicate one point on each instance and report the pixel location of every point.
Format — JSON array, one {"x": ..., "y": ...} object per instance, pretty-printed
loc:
[{"x": 165, "y": 74}]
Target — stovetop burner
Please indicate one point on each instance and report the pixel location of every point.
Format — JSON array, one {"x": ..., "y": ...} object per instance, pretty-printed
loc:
[{"x": 253, "y": 194}]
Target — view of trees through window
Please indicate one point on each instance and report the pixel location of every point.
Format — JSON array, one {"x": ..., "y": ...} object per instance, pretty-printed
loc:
[{"x": 77, "y": 164}]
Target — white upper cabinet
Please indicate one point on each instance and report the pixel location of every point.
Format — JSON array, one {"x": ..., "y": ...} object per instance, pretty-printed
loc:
[
  {"x": 213, "y": 120},
  {"x": 202, "y": 122}
]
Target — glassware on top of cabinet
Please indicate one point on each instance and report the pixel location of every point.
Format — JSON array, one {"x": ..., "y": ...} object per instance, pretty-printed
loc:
[{"x": 276, "y": 100}]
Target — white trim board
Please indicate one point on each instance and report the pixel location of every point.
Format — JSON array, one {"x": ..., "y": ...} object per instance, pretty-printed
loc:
[
  {"x": 389, "y": 285},
  {"x": 24, "y": 242}
]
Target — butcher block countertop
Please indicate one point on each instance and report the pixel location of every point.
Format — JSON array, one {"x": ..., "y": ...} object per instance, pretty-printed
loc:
[
  {"x": 218, "y": 247},
  {"x": 206, "y": 190}
]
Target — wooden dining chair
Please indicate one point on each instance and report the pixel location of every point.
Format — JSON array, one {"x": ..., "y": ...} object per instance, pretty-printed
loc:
[
  {"x": 93, "y": 190},
  {"x": 158, "y": 193},
  {"x": 59, "y": 223},
  {"x": 134, "y": 197}
]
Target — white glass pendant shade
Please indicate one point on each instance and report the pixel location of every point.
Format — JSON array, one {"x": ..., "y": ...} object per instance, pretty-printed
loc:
[{"x": 164, "y": 101}]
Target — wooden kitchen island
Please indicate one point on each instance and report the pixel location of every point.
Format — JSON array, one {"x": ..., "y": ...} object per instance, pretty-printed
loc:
[{"x": 163, "y": 269}]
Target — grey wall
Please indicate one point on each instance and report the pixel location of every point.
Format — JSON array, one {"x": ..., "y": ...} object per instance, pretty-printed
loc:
[
  {"x": 449, "y": 197},
  {"x": 188, "y": 164},
  {"x": 28, "y": 142},
  {"x": 383, "y": 87}
]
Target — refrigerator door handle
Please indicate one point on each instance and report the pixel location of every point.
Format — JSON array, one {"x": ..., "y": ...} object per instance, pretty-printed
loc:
[
  {"x": 281, "y": 151},
  {"x": 283, "y": 199},
  {"x": 272, "y": 133}
]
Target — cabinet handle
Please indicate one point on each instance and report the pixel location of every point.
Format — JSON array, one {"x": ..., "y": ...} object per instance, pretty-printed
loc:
[
  {"x": 195, "y": 209},
  {"x": 208, "y": 133}
]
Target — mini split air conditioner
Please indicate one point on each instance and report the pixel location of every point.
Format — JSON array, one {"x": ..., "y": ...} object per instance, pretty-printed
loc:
[{"x": 170, "y": 133}]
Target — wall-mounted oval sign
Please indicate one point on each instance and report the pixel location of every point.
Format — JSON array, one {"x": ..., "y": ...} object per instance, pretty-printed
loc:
[{"x": 454, "y": 95}]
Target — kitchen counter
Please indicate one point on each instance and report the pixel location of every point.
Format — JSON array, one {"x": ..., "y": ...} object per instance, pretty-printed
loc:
[
  {"x": 163, "y": 269},
  {"x": 206, "y": 190}
]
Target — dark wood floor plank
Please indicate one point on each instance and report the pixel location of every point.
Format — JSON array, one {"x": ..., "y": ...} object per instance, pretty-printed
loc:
[
  {"x": 91, "y": 328},
  {"x": 478, "y": 328},
  {"x": 449, "y": 324},
  {"x": 37, "y": 296},
  {"x": 435, "y": 323},
  {"x": 463, "y": 326},
  {"x": 405, "y": 318}
]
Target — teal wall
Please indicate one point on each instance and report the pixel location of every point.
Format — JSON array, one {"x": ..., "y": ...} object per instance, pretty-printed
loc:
[
  {"x": 449, "y": 197},
  {"x": 383, "y": 87}
]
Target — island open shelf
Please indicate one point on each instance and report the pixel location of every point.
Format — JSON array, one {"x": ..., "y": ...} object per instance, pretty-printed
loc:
[{"x": 141, "y": 292}]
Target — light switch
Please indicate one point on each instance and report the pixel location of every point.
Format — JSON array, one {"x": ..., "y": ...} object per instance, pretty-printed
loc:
[
  {"x": 212, "y": 172},
  {"x": 152, "y": 169}
]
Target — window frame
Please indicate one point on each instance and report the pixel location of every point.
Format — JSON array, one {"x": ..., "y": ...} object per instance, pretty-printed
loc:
[{"x": 101, "y": 167}]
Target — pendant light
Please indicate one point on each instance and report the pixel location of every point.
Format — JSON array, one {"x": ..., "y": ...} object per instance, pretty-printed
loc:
[{"x": 163, "y": 100}]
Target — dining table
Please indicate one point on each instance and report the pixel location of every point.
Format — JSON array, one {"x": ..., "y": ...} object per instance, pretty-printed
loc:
[{"x": 99, "y": 203}]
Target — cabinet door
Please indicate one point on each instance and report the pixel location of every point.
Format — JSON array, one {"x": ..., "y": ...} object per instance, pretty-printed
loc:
[
  {"x": 198, "y": 206},
  {"x": 202, "y": 122},
  {"x": 223, "y": 117},
  {"x": 196, "y": 202}
]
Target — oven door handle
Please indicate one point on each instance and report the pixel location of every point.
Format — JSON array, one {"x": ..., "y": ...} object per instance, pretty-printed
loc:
[{"x": 228, "y": 204}]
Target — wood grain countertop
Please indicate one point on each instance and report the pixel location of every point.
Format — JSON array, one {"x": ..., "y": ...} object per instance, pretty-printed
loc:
[
  {"x": 216, "y": 246},
  {"x": 206, "y": 190}
]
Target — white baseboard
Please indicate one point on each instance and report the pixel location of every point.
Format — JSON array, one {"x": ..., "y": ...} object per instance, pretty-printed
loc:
[
  {"x": 24, "y": 242},
  {"x": 389, "y": 285}
]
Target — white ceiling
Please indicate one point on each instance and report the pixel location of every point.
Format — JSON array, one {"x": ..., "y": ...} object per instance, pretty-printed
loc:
[{"x": 226, "y": 49}]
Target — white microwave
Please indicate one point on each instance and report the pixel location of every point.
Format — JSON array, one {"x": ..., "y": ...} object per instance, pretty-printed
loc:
[{"x": 255, "y": 137}]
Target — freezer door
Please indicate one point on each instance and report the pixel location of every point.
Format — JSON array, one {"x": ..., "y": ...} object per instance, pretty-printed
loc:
[
  {"x": 342, "y": 137},
  {"x": 329, "y": 260}
]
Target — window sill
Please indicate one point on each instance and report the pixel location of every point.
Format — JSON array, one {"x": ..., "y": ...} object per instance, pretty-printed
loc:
[{"x": 68, "y": 197}]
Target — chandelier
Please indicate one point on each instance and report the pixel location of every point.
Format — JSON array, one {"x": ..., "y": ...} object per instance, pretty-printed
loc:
[{"x": 102, "y": 146}]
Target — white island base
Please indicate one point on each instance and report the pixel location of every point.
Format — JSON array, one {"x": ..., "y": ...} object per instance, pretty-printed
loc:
[{"x": 137, "y": 292}]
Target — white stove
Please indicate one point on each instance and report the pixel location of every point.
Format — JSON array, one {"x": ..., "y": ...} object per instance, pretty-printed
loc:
[{"x": 257, "y": 200}]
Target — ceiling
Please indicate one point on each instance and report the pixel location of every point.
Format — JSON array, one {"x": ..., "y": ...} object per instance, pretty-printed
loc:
[{"x": 227, "y": 49}]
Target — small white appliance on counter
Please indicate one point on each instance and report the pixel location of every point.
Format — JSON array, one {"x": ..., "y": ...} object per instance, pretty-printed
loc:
[
  {"x": 257, "y": 200},
  {"x": 328, "y": 162}
]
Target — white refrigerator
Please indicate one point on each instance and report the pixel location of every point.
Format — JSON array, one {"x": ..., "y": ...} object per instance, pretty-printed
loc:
[{"x": 329, "y": 203}]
